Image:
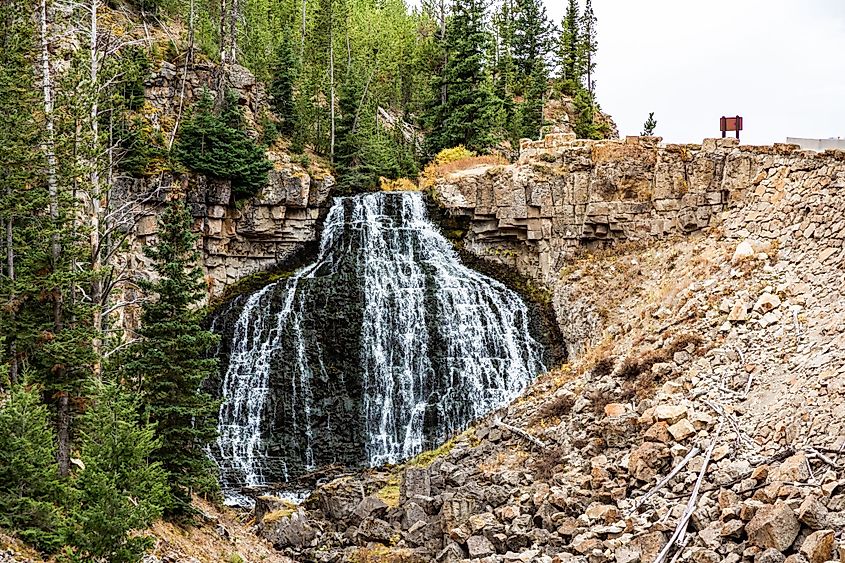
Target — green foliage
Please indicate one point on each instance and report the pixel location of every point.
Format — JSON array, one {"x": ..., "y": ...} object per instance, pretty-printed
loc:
[
  {"x": 463, "y": 106},
  {"x": 134, "y": 65},
  {"x": 141, "y": 149},
  {"x": 649, "y": 125},
  {"x": 172, "y": 359},
  {"x": 531, "y": 109},
  {"x": 217, "y": 144},
  {"x": 282, "y": 86},
  {"x": 149, "y": 6},
  {"x": 585, "y": 125},
  {"x": 119, "y": 489},
  {"x": 365, "y": 150},
  {"x": 588, "y": 45},
  {"x": 30, "y": 486},
  {"x": 569, "y": 48},
  {"x": 531, "y": 41}
]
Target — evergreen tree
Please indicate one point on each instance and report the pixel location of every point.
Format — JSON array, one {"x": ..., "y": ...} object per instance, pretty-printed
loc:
[
  {"x": 531, "y": 40},
  {"x": 22, "y": 195},
  {"x": 172, "y": 359},
  {"x": 504, "y": 71},
  {"x": 465, "y": 115},
  {"x": 365, "y": 150},
  {"x": 219, "y": 146},
  {"x": 282, "y": 86},
  {"x": 585, "y": 126},
  {"x": 588, "y": 44},
  {"x": 531, "y": 109},
  {"x": 120, "y": 489},
  {"x": 649, "y": 125},
  {"x": 30, "y": 486},
  {"x": 569, "y": 49}
]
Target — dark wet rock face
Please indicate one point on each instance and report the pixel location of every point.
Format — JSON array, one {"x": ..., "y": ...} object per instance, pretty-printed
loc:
[{"x": 383, "y": 347}]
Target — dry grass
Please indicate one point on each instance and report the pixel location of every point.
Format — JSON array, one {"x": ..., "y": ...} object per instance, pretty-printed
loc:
[
  {"x": 449, "y": 161},
  {"x": 546, "y": 462},
  {"x": 556, "y": 408},
  {"x": 206, "y": 544}
]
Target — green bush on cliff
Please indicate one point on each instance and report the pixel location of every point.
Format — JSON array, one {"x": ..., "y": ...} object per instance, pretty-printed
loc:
[{"x": 217, "y": 144}]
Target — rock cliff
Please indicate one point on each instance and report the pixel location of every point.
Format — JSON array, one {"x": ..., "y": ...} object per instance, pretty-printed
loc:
[
  {"x": 566, "y": 197},
  {"x": 702, "y": 418},
  {"x": 237, "y": 239}
]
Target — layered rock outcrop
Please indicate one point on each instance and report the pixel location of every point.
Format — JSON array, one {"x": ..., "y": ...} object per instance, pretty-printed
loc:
[
  {"x": 703, "y": 420},
  {"x": 240, "y": 238},
  {"x": 236, "y": 240},
  {"x": 565, "y": 195}
]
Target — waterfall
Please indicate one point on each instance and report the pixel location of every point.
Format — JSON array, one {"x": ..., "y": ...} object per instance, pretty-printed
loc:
[{"x": 383, "y": 347}]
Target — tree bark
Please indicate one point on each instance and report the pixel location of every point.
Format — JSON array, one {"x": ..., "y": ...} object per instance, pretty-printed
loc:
[
  {"x": 63, "y": 435},
  {"x": 223, "y": 13},
  {"x": 50, "y": 153},
  {"x": 233, "y": 31},
  {"x": 10, "y": 272},
  {"x": 96, "y": 197}
]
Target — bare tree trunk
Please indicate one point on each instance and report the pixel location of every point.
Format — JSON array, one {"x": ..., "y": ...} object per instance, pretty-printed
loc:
[
  {"x": 233, "y": 31},
  {"x": 10, "y": 272},
  {"x": 63, "y": 435},
  {"x": 96, "y": 198},
  {"x": 223, "y": 12},
  {"x": 50, "y": 153},
  {"x": 63, "y": 422}
]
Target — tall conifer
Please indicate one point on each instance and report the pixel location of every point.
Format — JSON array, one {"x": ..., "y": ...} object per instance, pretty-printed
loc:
[
  {"x": 465, "y": 115},
  {"x": 569, "y": 48},
  {"x": 172, "y": 359}
]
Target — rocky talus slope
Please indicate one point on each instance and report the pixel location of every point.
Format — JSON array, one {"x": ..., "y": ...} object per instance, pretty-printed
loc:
[{"x": 702, "y": 415}]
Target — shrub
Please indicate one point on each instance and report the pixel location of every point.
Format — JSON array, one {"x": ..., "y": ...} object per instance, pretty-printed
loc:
[
  {"x": 557, "y": 407},
  {"x": 30, "y": 486},
  {"x": 216, "y": 144},
  {"x": 119, "y": 489}
]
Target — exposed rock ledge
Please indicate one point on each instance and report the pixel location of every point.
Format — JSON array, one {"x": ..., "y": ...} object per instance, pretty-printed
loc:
[
  {"x": 565, "y": 195},
  {"x": 236, "y": 240}
]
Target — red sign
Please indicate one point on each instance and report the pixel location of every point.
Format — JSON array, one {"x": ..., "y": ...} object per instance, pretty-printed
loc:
[{"x": 730, "y": 124}]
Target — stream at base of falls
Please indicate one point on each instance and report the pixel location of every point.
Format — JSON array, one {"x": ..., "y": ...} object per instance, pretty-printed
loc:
[{"x": 383, "y": 347}]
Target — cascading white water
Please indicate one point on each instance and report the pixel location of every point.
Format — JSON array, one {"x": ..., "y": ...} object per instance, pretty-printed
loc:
[
  {"x": 488, "y": 353},
  {"x": 439, "y": 345}
]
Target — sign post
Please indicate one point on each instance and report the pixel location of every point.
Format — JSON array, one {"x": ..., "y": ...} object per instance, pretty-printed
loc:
[{"x": 730, "y": 124}]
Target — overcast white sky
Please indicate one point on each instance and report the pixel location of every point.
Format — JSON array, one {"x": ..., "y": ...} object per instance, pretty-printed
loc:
[{"x": 778, "y": 63}]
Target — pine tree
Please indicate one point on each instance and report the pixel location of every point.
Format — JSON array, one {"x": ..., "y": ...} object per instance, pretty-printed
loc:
[
  {"x": 282, "y": 86},
  {"x": 585, "y": 126},
  {"x": 569, "y": 49},
  {"x": 120, "y": 489},
  {"x": 30, "y": 487},
  {"x": 504, "y": 71},
  {"x": 531, "y": 109},
  {"x": 649, "y": 125},
  {"x": 219, "y": 146},
  {"x": 173, "y": 358},
  {"x": 466, "y": 114},
  {"x": 588, "y": 44},
  {"x": 531, "y": 40}
]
